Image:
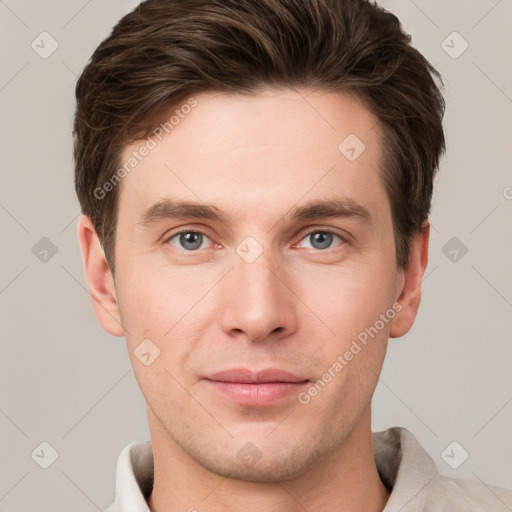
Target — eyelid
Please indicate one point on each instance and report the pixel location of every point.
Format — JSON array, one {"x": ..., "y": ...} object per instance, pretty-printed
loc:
[{"x": 201, "y": 228}]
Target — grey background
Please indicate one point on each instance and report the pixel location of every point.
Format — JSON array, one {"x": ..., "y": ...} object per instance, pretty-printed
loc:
[{"x": 65, "y": 381}]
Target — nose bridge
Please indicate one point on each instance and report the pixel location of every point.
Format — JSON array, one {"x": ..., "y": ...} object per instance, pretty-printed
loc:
[{"x": 256, "y": 299}]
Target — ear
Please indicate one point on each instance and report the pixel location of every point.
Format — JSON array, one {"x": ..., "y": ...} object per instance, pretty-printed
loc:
[
  {"x": 410, "y": 293},
  {"x": 99, "y": 278}
]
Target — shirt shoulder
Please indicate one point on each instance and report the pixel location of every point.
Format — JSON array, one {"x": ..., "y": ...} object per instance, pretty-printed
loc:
[
  {"x": 417, "y": 486},
  {"x": 466, "y": 496}
]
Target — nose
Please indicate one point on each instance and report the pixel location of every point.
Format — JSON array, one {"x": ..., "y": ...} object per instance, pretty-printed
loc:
[{"x": 258, "y": 302}]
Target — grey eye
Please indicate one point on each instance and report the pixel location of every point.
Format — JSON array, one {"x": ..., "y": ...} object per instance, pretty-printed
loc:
[
  {"x": 321, "y": 239},
  {"x": 188, "y": 240}
]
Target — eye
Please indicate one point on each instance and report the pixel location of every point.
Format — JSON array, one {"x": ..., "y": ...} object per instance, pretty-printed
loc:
[
  {"x": 188, "y": 240},
  {"x": 321, "y": 239}
]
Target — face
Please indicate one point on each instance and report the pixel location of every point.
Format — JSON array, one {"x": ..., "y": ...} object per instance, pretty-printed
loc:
[{"x": 270, "y": 306}]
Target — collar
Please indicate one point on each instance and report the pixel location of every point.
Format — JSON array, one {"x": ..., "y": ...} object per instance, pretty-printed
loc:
[{"x": 403, "y": 465}]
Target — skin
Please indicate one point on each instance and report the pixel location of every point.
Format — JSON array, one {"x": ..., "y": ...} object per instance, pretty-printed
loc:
[{"x": 297, "y": 307}]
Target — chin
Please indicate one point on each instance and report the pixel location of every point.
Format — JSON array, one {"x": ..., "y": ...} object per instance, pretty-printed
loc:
[{"x": 253, "y": 465}]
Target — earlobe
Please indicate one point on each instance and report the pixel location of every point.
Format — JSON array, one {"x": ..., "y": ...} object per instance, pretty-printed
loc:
[
  {"x": 99, "y": 278},
  {"x": 410, "y": 293}
]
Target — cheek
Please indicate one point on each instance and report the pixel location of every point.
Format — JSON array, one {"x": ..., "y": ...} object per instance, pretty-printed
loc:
[
  {"x": 347, "y": 299},
  {"x": 168, "y": 311},
  {"x": 153, "y": 300},
  {"x": 350, "y": 302},
  {"x": 345, "y": 385}
]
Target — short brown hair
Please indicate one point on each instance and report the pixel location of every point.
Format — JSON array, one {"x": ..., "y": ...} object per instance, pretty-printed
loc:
[{"x": 166, "y": 50}]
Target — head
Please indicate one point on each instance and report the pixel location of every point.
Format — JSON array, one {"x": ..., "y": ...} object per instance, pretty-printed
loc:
[{"x": 307, "y": 135}]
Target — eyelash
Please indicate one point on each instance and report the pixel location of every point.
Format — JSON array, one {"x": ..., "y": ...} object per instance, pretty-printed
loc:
[{"x": 309, "y": 233}]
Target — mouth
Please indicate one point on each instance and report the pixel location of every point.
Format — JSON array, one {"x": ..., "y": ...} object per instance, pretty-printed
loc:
[{"x": 256, "y": 389}]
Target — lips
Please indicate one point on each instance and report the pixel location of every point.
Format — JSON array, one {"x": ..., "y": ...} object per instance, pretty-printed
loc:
[
  {"x": 243, "y": 375},
  {"x": 256, "y": 388}
]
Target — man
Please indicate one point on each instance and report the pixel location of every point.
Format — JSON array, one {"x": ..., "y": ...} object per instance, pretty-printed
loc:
[{"x": 255, "y": 181}]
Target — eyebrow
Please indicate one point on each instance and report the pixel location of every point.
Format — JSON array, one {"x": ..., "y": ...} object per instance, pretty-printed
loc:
[{"x": 169, "y": 209}]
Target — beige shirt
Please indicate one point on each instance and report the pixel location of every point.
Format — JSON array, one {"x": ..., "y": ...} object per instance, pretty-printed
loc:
[{"x": 404, "y": 466}]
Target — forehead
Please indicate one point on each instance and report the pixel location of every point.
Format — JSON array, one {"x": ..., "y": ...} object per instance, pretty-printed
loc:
[{"x": 263, "y": 150}]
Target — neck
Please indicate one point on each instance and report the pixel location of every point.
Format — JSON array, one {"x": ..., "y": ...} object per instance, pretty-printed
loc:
[{"x": 346, "y": 480}]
